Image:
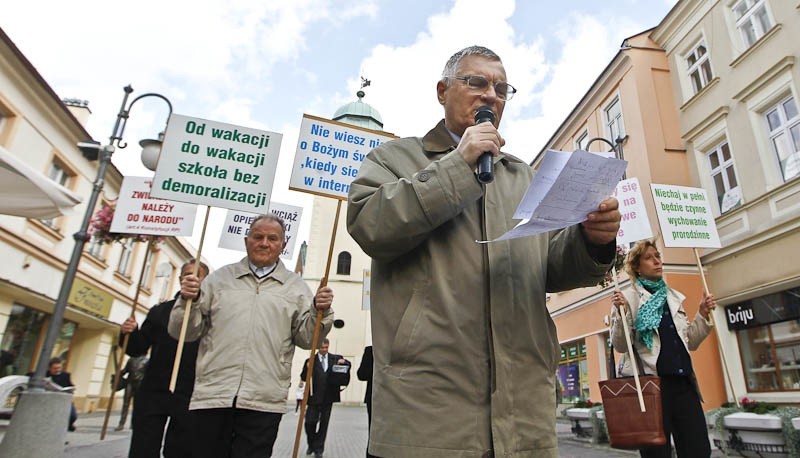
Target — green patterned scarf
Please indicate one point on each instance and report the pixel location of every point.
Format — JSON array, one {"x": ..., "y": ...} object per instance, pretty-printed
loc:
[{"x": 649, "y": 317}]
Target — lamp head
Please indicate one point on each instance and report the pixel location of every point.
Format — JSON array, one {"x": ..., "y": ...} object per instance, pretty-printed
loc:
[{"x": 151, "y": 151}]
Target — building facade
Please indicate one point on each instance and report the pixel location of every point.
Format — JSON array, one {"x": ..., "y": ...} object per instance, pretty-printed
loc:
[
  {"x": 734, "y": 72},
  {"x": 631, "y": 100},
  {"x": 42, "y": 130}
]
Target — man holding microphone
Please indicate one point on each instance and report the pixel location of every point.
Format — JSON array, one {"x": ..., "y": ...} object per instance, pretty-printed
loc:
[{"x": 464, "y": 348}]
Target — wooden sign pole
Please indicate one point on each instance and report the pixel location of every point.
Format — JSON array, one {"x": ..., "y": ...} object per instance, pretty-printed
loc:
[
  {"x": 714, "y": 325},
  {"x": 118, "y": 369},
  {"x": 312, "y": 358},
  {"x": 186, "y": 311}
]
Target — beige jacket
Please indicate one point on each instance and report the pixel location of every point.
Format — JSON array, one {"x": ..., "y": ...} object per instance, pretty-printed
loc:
[
  {"x": 464, "y": 348},
  {"x": 248, "y": 329},
  {"x": 692, "y": 335}
]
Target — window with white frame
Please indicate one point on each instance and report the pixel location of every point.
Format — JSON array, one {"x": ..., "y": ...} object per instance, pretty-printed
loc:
[
  {"x": 95, "y": 248},
  {"x": 698, "y": 66},
  {"x": 580, "y": 142},
  {"x": 783, "y": 123},
  {"x": 726, "y": 185},
  {"x": 60, "y": 175},
  {"x": 752, "y": 20},
  {"x": 125, "y": 258},
  {"x": 616, "y": 128},
  {"x": 148, "y": 267}
]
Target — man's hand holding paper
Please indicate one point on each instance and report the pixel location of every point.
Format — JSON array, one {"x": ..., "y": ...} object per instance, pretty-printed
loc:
[{"x": 571, "y": 188}]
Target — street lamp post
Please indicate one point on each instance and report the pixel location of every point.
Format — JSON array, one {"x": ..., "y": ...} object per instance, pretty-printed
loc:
[{"x": 26, "y": 439}]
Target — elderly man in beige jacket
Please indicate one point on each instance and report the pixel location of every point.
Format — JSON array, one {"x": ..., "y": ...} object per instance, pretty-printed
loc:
[
  {"x": 248, "y": 316},
  {"x": 464, "y": 349}
]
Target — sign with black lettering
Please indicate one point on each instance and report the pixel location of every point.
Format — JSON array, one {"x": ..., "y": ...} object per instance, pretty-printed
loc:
[
  {"x": 772, "y": 308},
  {"x": 237, "y": 224}
]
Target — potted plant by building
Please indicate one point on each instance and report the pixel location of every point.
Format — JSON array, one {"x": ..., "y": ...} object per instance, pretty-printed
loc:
[
  {"x": 760, "y": 428},
  {"x": 580, "y": 415}
]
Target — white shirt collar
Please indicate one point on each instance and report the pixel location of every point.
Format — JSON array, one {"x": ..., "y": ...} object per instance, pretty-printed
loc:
[{"x": 262, "y": 272}]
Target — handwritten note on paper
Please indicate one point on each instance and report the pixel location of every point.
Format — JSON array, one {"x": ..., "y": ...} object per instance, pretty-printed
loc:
[{"x": 565, "y": 191}]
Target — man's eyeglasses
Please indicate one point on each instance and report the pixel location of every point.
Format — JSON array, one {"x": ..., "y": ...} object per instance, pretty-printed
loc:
[{"x": 503, "y": 90}]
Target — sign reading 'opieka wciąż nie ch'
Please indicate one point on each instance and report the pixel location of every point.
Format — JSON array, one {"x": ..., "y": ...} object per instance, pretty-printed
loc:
[{"x": 217, "y": 164}]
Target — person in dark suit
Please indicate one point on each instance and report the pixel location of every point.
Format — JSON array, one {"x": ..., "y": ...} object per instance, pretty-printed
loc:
[
  {"x": 153, "y": 404},
  {"x": 325, "y": 388},
  {"x": 364, "y": 373}
]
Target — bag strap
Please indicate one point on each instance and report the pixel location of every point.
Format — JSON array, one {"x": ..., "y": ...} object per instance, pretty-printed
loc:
[{"x": 637, "y": 360}]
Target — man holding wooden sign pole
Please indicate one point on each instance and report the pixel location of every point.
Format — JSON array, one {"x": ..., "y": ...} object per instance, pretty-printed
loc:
[{"x": 248, "y": 317}]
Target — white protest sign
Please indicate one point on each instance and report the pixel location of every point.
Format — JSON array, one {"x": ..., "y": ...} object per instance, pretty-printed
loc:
[
  {"x": 635, "y": 225},
  {"x": 329, "y": 154},
  {"x": 685, "y": 216},
  {"x": 138, "y": 213},
  {"x": 365, "y": 292},
  {"x": 238, "y": 223},
  {"x": 217, "y": 164}
]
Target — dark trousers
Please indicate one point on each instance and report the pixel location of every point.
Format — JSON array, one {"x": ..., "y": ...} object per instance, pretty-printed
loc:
[
  {"x": 683, "y": 420},
  {"x": 234, "y": 433},
  {"x": 317, "y": 414},
  {"x": 130, "y": 391},
  {"x": 151, "y": 409}
]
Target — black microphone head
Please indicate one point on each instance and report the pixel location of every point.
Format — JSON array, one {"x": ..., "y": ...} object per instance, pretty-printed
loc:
[
  {"x": 484, "y": 114},
  {"x": 338, "y": 324}
]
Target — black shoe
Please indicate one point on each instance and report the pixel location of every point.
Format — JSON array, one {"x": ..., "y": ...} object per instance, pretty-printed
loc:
[
  {"x": 71, "y": 428},
  {"x": 317, "y": 454}
]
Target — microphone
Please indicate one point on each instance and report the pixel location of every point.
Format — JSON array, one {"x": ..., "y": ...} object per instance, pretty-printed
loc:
[{"x": 485, "y": 166}]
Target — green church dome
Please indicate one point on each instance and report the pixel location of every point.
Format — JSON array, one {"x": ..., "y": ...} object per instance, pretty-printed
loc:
[{"x": 359, "y": 114}]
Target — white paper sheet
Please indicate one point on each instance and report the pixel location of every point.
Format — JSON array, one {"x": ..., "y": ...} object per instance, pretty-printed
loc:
[{"x": 566, "y": 188}]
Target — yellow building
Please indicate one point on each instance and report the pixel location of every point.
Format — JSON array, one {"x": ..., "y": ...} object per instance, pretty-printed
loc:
[
  {"x": 42, "y": 131},
  {"x": 734, "y": 74}
]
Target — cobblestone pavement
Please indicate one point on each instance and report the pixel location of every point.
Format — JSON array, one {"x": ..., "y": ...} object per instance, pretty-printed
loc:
[{"x": 347, "y": 438}]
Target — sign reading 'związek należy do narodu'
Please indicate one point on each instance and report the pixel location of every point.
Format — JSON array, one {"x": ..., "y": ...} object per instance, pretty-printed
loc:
[{"x": 217, "y": 164}]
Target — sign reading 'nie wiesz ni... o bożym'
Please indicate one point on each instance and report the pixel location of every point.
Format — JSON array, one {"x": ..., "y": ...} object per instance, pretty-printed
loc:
[
  {"x": 217, "y": 164},
  {"x": 329, "y": 154}
]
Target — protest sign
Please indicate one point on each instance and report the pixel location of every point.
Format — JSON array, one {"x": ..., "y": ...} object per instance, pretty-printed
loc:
[
  {"x": 635, "y": 225},
  {"x": 685, "y": 216},
  {"x": 238, "y": 223},
  {"x": 217, "y": 164},
  {"x": 329, "y": 154},
  {"x": 138, "y": 213}
]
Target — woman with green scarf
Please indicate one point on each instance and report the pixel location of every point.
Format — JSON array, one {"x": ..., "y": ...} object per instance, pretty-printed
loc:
[{"x": 663, "y": 336}]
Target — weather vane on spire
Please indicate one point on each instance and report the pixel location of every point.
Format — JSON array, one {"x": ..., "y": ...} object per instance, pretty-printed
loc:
[{"x": 365, "y": 82}]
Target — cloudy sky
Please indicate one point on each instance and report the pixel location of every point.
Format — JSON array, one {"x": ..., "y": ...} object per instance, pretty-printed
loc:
[{"x": 263, "y": 64}]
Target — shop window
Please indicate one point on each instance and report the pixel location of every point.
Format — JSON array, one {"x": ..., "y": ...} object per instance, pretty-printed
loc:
[
  {"x": 698, "y": 66},
  {"x": 783, "y": 122},
  {"x": 23, "y": 337},
  {"x": 343, "y": 264},
  {"x": 726, "y": 185},
  {"x": 752, "y": 20},
  {"x": 768, "y": 330},
  {"x": 616, "y": 127},
  {"x": 573, "y": 372}
]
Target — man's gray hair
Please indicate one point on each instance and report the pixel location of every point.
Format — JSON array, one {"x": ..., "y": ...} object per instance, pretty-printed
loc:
[
  {"x": 269, "y": 217},
  {"x": 452, "y": 64}
]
